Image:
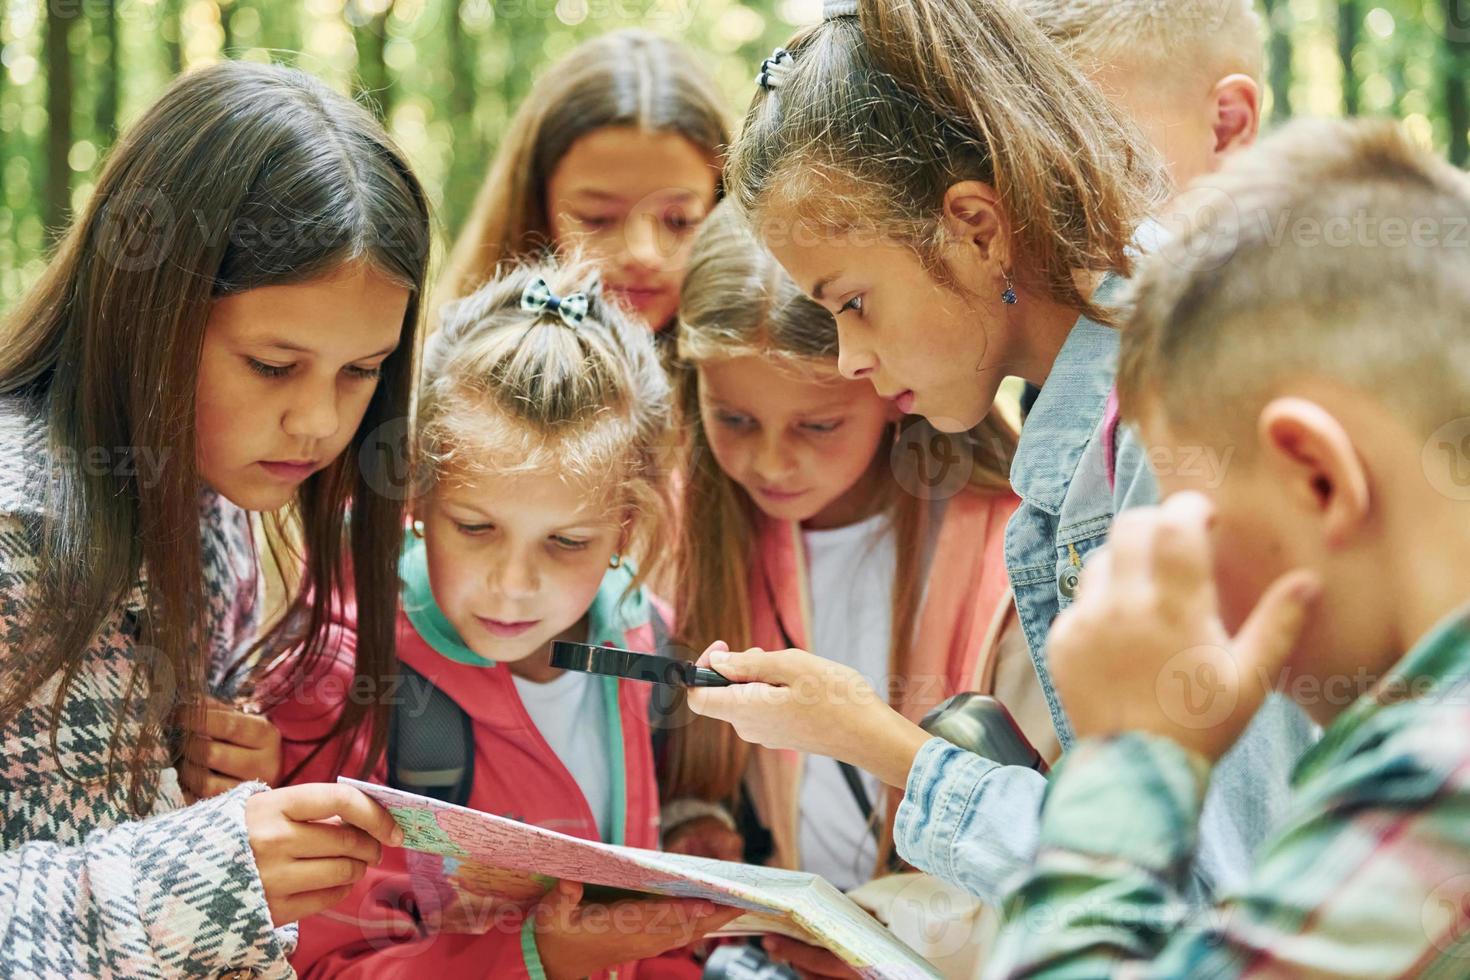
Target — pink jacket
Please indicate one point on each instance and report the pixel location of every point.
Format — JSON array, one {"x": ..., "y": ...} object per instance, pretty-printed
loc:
[
  {"x": 966, "y": 603},
  {"x": 396, "y": 923}
]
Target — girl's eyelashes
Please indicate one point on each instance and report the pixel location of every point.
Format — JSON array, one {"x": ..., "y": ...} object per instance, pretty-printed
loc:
[
  {"x": 568, "y": 543},
  {"x": 473, "y": 530},
  {"x": 679, "y": 221},
  {"x": 854, "y": 305},
  {"x": 355, "y": 371},
  {"x": 594, "y": 221},
  {"x": 822, "y": 428},
  {"x": 734, "y": 420},
  {"x": 269, "y": 370},
  {"x": 366, "y": 373}
]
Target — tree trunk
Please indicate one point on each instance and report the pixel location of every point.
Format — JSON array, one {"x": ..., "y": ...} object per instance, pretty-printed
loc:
[
  {"x": 468, "y": 161},
  {"x": 1279, "y": 48},
  {"x": 1456, "y": 62},
  {"x": 4, "y": 75},
  {"x": 1349, "y": 25},
  {"x": 373, "y": 80},
  {"x": 281, "y": 30},
  {"x": 57, "y": 203},
  {"x": 226, "y": 15},
  {"x": 171, "y": 27},
  {"x": 108, "y": 85}
]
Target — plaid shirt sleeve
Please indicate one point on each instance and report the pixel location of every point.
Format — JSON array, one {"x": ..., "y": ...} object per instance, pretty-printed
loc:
[{"x": 1369, "y": 876}]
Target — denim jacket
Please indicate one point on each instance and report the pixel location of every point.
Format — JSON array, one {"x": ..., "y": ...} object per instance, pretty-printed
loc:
[{"x": 973, "y": 822}]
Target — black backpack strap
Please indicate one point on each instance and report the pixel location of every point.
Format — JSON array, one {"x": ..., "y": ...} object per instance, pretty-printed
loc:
[
  {"x": 663, "y": 700},
  {"x": 431, "y": 743}
]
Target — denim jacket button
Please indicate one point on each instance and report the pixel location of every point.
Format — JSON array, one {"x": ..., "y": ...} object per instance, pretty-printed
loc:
[{"x": 1067, "y": 582}]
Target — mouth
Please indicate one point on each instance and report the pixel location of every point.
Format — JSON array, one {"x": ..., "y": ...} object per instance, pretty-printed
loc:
[
  {"x": 637, "y": 297},
  {"x": 504, "y": 628},
  {"x": 904, "y": 400},
  {"x": 291, "y": 470},
  {"x": 780, "y": 496}
]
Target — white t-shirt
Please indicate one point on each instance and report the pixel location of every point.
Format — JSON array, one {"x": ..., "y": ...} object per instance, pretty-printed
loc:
[
  {"x": 852, "y": 578},
  {"x": 570, "y": 714}
]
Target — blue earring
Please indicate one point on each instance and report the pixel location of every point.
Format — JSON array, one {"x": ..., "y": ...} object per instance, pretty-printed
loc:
[{"x": 1009, "y": 297}]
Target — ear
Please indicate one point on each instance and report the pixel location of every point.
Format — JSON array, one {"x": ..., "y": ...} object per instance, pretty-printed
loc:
[
  {"x": 973, "y": 216},
  {"x": 625, "y": 532},
  {"x": 1322, "y": 471},
  {"x": 1236, "y": 110}
]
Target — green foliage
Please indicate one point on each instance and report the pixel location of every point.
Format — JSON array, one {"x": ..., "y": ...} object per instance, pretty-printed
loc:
[{"x": 447, "y": 74}]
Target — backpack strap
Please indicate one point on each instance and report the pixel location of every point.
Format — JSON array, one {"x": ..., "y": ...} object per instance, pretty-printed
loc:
[
  {"x": 431, "y": 752},
  {"x": 663, "y": 700}
]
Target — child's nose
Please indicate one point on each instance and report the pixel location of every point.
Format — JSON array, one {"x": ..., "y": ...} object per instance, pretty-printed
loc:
[
  {"x": 855, "y": 364},
  {"x": 772, "y": 463},
  {"x": 644, "y": 250},
  {"x": 514, "y": 578},
  {"x": 312, "y": 414}
]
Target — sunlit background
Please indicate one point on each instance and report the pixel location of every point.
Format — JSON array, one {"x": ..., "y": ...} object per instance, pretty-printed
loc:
[{"x": 447, "y": 74}]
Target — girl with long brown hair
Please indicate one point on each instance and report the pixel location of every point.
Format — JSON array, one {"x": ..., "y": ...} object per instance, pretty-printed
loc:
[
  {"x": 940, "y": 177},
  {"x": 816, "y": 514},
  {"x": 616, "y": 153},
  {"x": 226, "y": 328}
]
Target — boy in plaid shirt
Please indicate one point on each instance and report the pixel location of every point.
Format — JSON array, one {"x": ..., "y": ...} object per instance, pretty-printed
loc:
[{"x": 1312, "y": 330}]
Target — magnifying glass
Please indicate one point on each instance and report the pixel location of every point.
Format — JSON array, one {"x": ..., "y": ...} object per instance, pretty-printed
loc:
[{"x": 592, "y": 659}]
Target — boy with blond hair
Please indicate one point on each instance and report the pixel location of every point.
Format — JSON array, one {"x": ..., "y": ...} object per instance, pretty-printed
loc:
[
  {"x": 1186, "y": 71},
  {"x": 1319, "y": 329}
]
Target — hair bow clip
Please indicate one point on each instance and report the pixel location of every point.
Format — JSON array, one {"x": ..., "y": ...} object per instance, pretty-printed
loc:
[
  {"x": 833, "y": 9},
  {"x": 538, "y": 298},
  {"x": 775, "y": 69}
]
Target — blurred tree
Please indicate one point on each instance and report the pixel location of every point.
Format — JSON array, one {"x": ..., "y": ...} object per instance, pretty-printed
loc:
[
  {"x": 229, "y": 45},
  {"x": 60, "y": 19},
  {"x": 107, "y": 87},
  {"x": 171, "y": 29},
  {"x": 1279, "y": 53},
  {"x": 370, "y": 32},
  {"x": 1349, "y": 26},
  {"x": 447, "y": 75},
  {"x": 1455, "y": 62}
]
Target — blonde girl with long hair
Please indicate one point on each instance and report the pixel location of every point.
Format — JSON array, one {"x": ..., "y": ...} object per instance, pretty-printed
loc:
[
  {"x": 617, "y": 153},
  {"x": 540, "y": 509},
  {"x": 816, "y": 514}
]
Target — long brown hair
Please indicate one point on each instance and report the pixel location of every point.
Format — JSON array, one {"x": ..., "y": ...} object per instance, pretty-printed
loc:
[
  {"x": 107, "y": 346},
  {"x": 624, "y": 78},
  {"x": 880, "y": 114},
  {"x": 737, "y": 301}
]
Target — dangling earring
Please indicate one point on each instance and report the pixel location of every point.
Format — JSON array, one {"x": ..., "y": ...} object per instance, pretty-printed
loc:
[
  {"x": 616, "y": 561},
  {"x": 417, "y": 529},
  {"x": 1009, "y": 297}
]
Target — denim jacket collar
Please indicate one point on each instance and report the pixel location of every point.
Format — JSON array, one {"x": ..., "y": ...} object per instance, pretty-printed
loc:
[{"x": 1060, "y": 423}]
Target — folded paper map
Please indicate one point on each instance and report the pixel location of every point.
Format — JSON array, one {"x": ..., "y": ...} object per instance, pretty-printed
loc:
[{"x": 475, "y": 852}]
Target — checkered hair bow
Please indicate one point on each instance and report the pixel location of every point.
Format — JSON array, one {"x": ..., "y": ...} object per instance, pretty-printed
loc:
[
  {"x": 538, "y": 298},
  {"x": 775, "y": 69}
]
